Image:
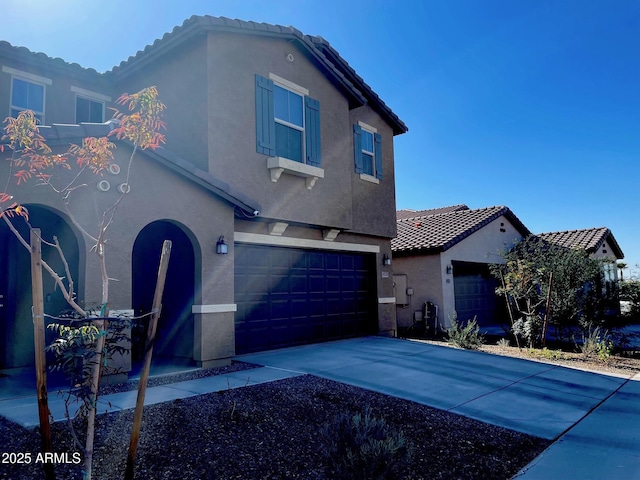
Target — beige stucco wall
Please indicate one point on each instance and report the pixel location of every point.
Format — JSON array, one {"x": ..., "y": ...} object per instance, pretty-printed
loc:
[
  {"x": 208, "y": 86},
  {"x": 156, "y": 194},
  {"x": 425, "y": 277},
  {"x": 181, "y": 78}
]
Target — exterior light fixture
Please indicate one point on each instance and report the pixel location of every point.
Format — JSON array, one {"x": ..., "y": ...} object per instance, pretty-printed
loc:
[
  {"x": 386, "y": 260},
  {"x": 449, "y": 269},
  {"x": 221, "y": 247}
]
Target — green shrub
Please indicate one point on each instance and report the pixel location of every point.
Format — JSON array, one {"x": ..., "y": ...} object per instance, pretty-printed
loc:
[
  {"x": 465, "y": 336},
  {"x": 597, "y": 343},
  {"x": 546, "y": 354},
  {"x": 529, "y": 328},
  {"x": 363, "y": 446}
]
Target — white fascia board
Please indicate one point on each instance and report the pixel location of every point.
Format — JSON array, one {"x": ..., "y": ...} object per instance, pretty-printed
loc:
[{"x": 262, "y": 239}]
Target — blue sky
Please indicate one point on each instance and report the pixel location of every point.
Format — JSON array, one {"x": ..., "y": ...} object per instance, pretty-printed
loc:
[{"x": 530, "y": 104}]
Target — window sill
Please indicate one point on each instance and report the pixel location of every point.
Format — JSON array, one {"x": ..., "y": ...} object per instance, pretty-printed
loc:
[
  {"x": 279, "y": 165},
  {"x": 369, "y": 178}
]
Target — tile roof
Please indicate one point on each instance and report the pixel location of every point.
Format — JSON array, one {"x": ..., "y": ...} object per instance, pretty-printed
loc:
[
  {"x": 402, "y": 214},
  {"x": 62, "y": 134},
  {"x": 438, "y": 232},
  {"x": 317, "y": 48},
  {"x": 590, "y": 239}
]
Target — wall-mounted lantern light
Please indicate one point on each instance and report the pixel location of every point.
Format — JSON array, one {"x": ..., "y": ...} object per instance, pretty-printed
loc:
[
  {"x": 449, "y": 269},
  {"x": 386, "y": 260},
  {"x": 221, "y": 247}
]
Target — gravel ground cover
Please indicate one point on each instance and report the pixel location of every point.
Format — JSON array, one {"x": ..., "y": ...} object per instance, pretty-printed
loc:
[{"x": 271, "y": 431}]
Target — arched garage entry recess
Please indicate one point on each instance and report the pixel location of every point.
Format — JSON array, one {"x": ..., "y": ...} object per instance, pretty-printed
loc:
[
  {"x": 16, "y": 325},
  {"x": 174, "y": 335}
]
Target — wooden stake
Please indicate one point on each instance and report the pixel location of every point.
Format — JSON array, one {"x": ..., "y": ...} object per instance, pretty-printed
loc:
[
  {"x": 39, "y": 346},
  {"x": 144, "y": 376},
  {"x": 546, "y": 312}
]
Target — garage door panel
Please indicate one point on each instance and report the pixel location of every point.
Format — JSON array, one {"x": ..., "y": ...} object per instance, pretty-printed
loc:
[
  {"x": 299, "y": 283},
  {"x": 316, "y": 261},
  {"x": 301, "y": 296},
  {"x": 332, "y": 261},
  {"x": 316, "y": 284},
  {"x": 475, "y": 297}
]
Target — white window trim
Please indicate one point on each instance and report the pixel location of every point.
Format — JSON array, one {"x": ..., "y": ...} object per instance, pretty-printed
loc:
[
  {"x": 368, "y": 127},
  {"x": 365, "y": 176},
  {"x": 90, "y": 95},
  {"x": 27, "y": 76},
  {"x": 289, "y": 85},
  {"x": 91, "y": 99},
  {"x": 279, "y": 165},
  {"x": 30, "y": 78},
  {"x": 369, "y": 178}
]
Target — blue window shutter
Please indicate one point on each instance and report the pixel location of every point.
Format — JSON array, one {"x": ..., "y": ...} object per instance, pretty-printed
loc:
[
  {"x": 357, "y": 148},
  {"x": 265, "y": 122},
  {"x": 312, "y": 131},
  {"x": 377, "y": 145}
]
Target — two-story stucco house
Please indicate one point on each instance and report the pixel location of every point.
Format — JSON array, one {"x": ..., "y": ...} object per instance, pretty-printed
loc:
[{"x": 275, "y": 147}]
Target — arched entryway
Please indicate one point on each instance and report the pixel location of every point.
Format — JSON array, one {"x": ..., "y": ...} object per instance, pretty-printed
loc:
[
  {"x": 16, "y": 326},
  {"x": 174, "y": 335}
]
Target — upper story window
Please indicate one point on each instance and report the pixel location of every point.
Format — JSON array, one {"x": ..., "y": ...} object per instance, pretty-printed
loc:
[
  {"x": 90, "y": 106},
  {"x": 287, "y": 121},
  {"x": 289, "y": 118},
  {"x": 88, "y": 110},
  {"x": 367, "y": 151},
  {"x": 27, "y": 92}
]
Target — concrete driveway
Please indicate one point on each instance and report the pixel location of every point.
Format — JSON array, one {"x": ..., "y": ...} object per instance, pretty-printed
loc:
[{"x": 595, "y": 418}]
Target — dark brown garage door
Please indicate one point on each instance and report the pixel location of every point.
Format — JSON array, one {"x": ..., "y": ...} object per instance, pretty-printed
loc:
[{"x": 290, "y": 296}]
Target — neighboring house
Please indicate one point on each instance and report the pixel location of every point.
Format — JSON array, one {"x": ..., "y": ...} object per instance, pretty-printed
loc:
[
  {"x": 600, "y": 244},
  {"x": 442, "y": 256},
  {"x": 275, "y": 146}
]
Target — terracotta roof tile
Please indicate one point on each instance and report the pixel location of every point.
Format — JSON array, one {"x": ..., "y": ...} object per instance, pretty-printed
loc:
[
  {"x": 402, "y": 214},
  {"x": 440, "y": 231},
  {"x": 590, "y": 239},
  {"x": 327, "y": 58}
]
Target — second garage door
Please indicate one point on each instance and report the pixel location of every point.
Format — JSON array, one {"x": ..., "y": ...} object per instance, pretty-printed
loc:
[
  {"x": 474, "y": 290},
  {"x": 290, "y": 296}
]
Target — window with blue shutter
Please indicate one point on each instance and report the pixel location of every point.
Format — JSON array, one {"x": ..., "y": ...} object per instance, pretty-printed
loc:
[
  {"x": 265, "y": 123},
  {"x": 367, "y": 150},
  {"x": 287, "y": 123},
  {"x": 377, "y": 146}
]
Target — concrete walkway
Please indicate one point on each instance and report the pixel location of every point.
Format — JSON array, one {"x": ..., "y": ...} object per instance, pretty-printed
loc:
[
  {"x": 24, "y": 409},
  {"x": 593, "y": 418}
]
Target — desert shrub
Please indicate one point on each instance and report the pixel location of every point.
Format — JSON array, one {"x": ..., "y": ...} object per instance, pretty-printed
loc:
[
  {"x": 547, "y": 354},
  {"x": 363, "y": 446},
  {"x": 529, "y": 328},
  {"x": 597, "y": 343},
  {"x": 503, "y": 343},
  {"x": 465, "y": 336}
]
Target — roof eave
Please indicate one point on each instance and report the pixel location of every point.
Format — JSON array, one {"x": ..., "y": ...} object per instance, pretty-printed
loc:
[{"x": 202, "y": 25}]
